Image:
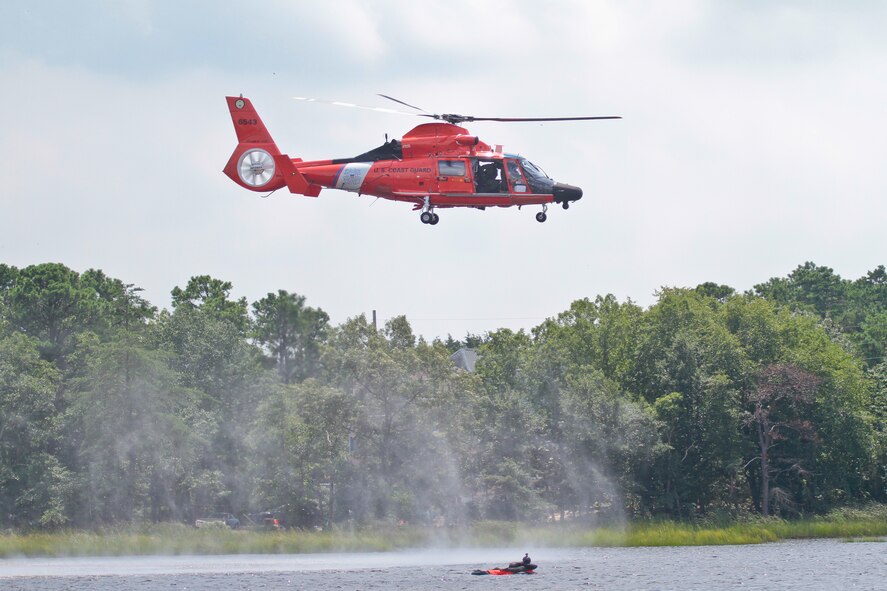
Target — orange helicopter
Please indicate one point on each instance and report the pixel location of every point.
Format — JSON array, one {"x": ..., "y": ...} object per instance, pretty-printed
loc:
[{"x": 434, "y": 166}]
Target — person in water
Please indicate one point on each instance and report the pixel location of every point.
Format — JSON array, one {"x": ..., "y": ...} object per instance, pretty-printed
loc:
[
  {"x": 525, "y": 561},
  {"x": 523, "y": 566}
]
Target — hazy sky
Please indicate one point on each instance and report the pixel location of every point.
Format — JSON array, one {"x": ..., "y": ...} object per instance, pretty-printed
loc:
[{"x": 754, "y": 139}]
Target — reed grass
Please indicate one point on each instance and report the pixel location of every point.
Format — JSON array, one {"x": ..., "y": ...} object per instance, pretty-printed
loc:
[
  {"x": 867, "y": 524},
  {"x": 182, "y": 539}
]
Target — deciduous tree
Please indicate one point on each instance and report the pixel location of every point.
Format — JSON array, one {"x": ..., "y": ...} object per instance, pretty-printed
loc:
[{"x": 779, "y": 411}]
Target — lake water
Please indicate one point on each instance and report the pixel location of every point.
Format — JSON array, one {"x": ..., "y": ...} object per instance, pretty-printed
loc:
[{"x": 819, "y": 564}]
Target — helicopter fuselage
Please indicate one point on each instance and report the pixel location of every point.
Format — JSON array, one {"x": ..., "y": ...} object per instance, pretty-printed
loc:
[{"x": 435, "y": 165}]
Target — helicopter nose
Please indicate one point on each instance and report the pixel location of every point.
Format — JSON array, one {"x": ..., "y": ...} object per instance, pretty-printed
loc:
[{"x": 564, "y": 193}]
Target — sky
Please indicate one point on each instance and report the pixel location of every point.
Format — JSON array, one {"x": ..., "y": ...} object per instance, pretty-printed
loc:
[{"x": 753, "y": 140}]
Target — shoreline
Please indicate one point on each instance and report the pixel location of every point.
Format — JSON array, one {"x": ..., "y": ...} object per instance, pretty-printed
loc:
[{"x": 179, "y": 539}]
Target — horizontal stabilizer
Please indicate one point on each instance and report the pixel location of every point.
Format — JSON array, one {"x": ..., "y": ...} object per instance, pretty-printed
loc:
[{"x": 295, "y": 180}]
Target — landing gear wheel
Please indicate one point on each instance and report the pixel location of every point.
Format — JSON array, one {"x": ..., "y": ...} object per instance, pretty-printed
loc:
[
  {"x": 541, "y": 217},
  {"x": 566, "y": 205},
  {"x": 434, "y": 219},
  {"x": 426, "y": 217}
]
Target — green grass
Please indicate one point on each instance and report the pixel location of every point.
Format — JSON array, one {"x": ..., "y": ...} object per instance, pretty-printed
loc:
[
  {"x": 868, "y": 524},
  {"x": 864, "y": 539},
  {"x": 182, "y": 539},
  {"x": 681, "y": 534},
  {"x": 865, "y": 523}
]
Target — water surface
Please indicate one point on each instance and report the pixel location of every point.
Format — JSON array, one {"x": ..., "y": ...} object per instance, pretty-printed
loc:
[{"x": 819, "y": 564}]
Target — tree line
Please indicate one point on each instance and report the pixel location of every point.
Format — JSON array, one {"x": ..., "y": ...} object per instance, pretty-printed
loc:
[{"x": 112, "y": 411}]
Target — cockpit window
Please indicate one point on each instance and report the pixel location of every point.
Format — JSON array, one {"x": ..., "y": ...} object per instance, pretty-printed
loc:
[
  {"x": 514, "y": 172},
  {"x": 531, "y": 169},
  {"x": 515, "y": 177},
  {"x": 539, "y": 181}
]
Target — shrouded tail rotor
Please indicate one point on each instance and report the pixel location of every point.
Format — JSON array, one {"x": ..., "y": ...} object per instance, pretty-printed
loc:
[{"x": 256, "y": 167}]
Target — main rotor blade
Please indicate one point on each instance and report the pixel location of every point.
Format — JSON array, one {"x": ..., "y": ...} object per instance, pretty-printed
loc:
[
  {"x": 391, "y": 98},
  {"x": 455, "y": 118},
  {"x": 343, "y": 104},
  {"x": 448, "y": 117},
  {"x": 518, "y": 119}
]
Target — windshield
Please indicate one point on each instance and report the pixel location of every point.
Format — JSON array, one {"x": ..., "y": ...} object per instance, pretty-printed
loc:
[{"x": 539, "y": 181}]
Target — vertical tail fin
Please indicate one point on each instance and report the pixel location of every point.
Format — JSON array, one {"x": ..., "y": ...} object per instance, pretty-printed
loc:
[{"x": 247, "y": 123}]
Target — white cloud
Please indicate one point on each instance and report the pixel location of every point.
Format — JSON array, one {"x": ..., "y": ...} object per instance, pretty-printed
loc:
[
  {"x": 348, "y": 24},
  {"x": 728, "y": 166}
]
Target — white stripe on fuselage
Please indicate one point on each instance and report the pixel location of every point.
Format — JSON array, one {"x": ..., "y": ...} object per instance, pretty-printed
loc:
[{"x": 351, "y": 178}]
